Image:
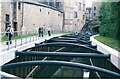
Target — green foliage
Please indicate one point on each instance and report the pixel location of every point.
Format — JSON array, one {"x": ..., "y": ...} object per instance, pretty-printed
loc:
[
  {"x": 108, "y": 16},
  {"x": 109, "y": 42},
  {"x": 5, "y": 38}
]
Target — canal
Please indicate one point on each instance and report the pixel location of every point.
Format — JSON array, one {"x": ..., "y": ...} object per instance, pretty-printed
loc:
[{"x": 66, "y": 56}]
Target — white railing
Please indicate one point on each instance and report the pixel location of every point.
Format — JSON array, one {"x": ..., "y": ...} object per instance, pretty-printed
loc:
[{"x": 19, "y": 38}]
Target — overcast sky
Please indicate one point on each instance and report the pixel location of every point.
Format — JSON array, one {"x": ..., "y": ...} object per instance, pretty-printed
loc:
[{"x": 89, "y": 3}]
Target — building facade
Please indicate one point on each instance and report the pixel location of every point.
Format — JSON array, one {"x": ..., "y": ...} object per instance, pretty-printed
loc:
[
  {"x": 59, "y": 15},
  {"x": 88, "y": 14},
  {"x": 37, "y": 15},
  {"x": 29, "y": 16},
  {"x": 95, "y": 9},
  {"x": 6, "y": 14},
  {"x": 74, "y": 15}
]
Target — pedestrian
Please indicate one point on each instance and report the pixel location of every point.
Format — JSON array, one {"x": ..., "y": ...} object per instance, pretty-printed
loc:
[
  {"x": 9, "y": 34},
  {"x": 49, "y": 31},
  {"x": 40, "y": 31}
]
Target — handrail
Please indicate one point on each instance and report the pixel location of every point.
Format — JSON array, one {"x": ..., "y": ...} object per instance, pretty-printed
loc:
[
  {"x": 20, "y": 31},
  {"x": 63, "y": 54},
  {"x": 61, "y": 63},
  {"x": 23, "y": 37}
]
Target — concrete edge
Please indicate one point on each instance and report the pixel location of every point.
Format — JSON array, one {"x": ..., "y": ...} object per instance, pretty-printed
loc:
[
  {"x": 109, "y": 49},
  {"x": 115, "y": 55},
  {"x": 9, "y": 55}
]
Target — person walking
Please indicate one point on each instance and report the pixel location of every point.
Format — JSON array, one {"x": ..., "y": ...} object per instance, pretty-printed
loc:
[
  {"x": 40, "y": 31},
  {"x": 9, "y": 34},
  {"x": 49, "y": 31}
]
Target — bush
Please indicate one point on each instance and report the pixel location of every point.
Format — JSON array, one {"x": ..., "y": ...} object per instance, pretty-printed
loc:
[{"x": 108, "y": 16}]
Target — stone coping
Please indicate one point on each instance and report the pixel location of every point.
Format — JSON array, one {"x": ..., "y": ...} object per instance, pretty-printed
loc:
[
  {"x": 109, "y": 49},
  {"x": 115, "y": 55}
]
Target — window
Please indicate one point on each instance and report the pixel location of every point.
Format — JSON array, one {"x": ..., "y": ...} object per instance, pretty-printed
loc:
[
  {"x": 78, "y": 20},
  {"x": 58, "y": 14},
  {"x": 51, "y": 3},
  {"x": 19, "y": 5},
  {"x": 75, "y": 15},
  {"x": 94, "y": 8},
  {"x": 45, "y": 2},
  {"x": 83, "y": 7},
  {"x": 94, "y": 14},
  {"x": 7, "y": 21},
  {"x": 83, "y": 17},
  {"x": 48, "y": 12},
  {"x": 57, "y": 5},
  {"x": 40, "y": 10},
  {"x": 89, "y": 11},
  {"x": 79, "y": 6},
  {"x": 7, "y": 18}
]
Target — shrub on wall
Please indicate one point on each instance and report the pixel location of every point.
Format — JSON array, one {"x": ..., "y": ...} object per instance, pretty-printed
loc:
[{"x": 109, "y": 19}]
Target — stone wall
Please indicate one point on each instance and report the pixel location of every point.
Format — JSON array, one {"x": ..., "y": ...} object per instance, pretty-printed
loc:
[
  {"x": 31, "y": 16},
  {"x": 74, "y": 15},
  {"x": 6, "y": 9},
  {"x": 38, "y": 16}
]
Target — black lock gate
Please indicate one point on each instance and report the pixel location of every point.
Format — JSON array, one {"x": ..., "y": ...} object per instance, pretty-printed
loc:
[{"x": 58, "y": 58}]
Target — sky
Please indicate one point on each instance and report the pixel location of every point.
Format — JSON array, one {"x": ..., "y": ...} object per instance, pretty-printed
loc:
[{"x": 89, "y": 3}]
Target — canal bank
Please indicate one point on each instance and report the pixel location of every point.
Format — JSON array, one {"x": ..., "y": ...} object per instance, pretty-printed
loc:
[
  {"x": 115, "y": 55},
  {"x": 9, "y": 55}
]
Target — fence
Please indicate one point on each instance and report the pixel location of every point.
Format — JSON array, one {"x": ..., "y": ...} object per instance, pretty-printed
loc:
[{"x": 19, "y": 38}]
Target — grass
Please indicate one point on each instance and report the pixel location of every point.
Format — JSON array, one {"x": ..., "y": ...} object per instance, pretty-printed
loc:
[
  {"x": 109, "y": 42},
  {"x": 5, "y": 38}
]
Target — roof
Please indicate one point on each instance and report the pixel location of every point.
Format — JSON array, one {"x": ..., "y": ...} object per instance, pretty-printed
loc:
[{"x": 39, "y": 4}]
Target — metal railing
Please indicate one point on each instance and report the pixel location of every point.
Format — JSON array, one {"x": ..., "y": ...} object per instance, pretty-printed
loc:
[{"x": 18, "y": 38}]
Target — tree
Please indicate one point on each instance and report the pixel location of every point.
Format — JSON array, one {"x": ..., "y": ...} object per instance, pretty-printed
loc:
[{"x": 108, "y": 17}]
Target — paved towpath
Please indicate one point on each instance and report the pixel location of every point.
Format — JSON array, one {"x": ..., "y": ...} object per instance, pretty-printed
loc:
[{"x": 7, "y": 52}]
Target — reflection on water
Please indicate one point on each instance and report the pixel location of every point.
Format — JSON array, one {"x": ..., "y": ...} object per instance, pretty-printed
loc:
[{"x": 68, "y": 72}]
